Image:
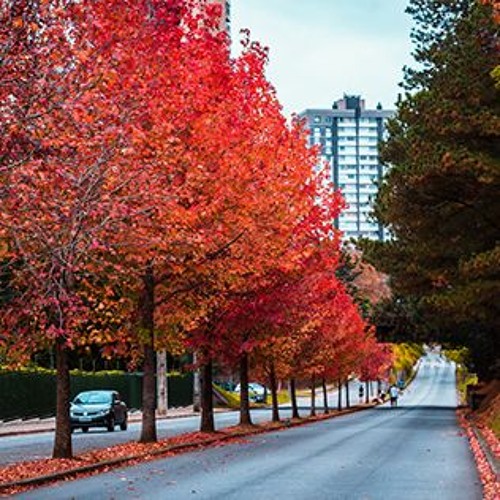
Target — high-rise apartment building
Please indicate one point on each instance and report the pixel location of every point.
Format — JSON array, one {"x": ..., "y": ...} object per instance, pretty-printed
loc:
[{"x": 348, "y": 136}]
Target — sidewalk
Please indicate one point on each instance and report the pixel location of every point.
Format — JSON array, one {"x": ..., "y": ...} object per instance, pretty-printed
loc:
[{"x": 35, "y": 425}]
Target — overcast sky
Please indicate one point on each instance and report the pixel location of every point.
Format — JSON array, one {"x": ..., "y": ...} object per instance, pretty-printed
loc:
[{"x": 321, "y": 49}]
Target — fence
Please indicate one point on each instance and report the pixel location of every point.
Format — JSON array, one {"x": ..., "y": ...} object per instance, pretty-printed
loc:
[{"x": 33, "y": 394}]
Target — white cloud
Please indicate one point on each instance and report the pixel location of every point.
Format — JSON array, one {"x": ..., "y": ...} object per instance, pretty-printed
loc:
[{"x": 314, "y": 62}]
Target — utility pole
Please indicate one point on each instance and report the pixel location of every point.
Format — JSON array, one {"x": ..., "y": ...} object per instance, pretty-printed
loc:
[
  {"x": 161, "y": 383},
  {"x": 196, "y": 387}
]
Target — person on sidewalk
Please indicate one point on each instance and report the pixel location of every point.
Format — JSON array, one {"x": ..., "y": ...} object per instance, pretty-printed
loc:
[{"x": 394, "y": 394}]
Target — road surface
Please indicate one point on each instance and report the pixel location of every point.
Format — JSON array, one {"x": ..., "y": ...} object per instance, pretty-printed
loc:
[{"x": 415, "y": 451}]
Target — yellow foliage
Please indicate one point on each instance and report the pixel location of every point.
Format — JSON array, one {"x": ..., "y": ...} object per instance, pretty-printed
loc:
[{"x": 405, "y": 356}]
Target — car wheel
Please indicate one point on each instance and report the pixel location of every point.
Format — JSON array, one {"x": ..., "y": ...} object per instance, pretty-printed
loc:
[
  {"x": 124, "y": 425},
  {"x": 111, "y": 423},
  {"x": 85, "y": 429}
]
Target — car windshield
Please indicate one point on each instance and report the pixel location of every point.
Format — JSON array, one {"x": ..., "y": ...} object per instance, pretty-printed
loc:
[{"x": 93, "y": 398}]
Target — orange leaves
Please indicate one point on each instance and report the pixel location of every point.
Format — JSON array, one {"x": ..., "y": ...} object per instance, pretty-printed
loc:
[
  {"x": 18, "y": 22},
  {"x": 489, "y": 480},
  {"x": 496, "y": 8},
  {"x": 129, "y": 452}
]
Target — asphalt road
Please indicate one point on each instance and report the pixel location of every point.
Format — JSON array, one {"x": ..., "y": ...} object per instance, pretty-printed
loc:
[
  {"x": 39, "y": 445},
  {"x": 415, "y": 451}
]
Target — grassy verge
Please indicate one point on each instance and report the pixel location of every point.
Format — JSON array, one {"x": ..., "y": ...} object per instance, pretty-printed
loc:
[
  {"x": 233, "y": 398},
  {"x": 464, "y": 378},
  {"x": 495, "y": 425},
  {"x": 463, "y": 375}
]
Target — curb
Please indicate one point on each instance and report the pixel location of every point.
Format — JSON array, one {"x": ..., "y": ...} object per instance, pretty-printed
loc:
[
  {"x": 488, "y": 453},
  {"x": 116, "y": 461},
  {"x": 283, "y": 425}
]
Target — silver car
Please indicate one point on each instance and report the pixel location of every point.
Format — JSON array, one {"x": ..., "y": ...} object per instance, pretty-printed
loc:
[
  {"x": 98, "y": 409},
  {"x": 256, "y": 392}
]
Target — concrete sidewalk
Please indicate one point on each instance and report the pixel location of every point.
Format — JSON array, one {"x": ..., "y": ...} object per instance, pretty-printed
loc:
[{"x": 34, "y": 425}]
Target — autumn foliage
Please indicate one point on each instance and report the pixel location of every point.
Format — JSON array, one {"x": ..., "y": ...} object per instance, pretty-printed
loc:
[{"x": 154, "y": 196}]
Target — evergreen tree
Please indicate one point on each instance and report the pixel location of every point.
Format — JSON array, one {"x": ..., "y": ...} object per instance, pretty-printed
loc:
[{"x": 441, "y": 197}]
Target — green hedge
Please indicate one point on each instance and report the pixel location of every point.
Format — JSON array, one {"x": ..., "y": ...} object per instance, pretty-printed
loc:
[{"x": 26, "y": 394}]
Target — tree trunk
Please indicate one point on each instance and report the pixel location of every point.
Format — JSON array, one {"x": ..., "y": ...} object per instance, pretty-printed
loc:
[
  {"x": 347, "y": 399},
  {"x": 62, "y": 442},
  {"x": 245, "y": 418},
  {"x": 325, "y": 396},
  {"x": 313, "y": 396},
  {"x": 148, "y": 431},
  {"x": 196, "y": 386},
  {"x": 293, "y": 397},
  {"x": 207, "y": 401},
  {"x": 367, "y": 391},
  {"x": 274, "y": 393},
  {"x": 162, "y": 383},
  {"x": 339, "y": 393}
]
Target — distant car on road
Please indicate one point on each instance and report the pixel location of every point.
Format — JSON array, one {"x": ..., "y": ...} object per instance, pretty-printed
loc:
[
  {"x": 98, "y": 409},
  {"x": 256, "y": 392}
]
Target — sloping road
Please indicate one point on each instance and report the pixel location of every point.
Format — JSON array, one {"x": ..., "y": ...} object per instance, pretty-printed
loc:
[{"x": 415, "y": 451}]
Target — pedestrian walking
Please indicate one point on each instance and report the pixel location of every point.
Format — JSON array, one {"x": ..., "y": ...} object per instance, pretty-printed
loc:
[
  {"x": 394, "y": 394},
  {"x": 361, "y": 393}
]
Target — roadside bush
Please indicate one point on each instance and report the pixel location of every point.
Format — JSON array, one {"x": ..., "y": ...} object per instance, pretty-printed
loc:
[{"x": 405, "y": 357}]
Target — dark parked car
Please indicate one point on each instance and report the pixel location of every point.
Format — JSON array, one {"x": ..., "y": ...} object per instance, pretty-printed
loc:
[{"x": 98, "y": 409}]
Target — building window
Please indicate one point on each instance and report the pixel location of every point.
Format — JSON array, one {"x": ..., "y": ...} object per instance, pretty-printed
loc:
[{"x": 317, "y": 119}]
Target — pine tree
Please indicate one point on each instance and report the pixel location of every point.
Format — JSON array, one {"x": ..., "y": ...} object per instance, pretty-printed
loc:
[{"x": 441, "y": 197}]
